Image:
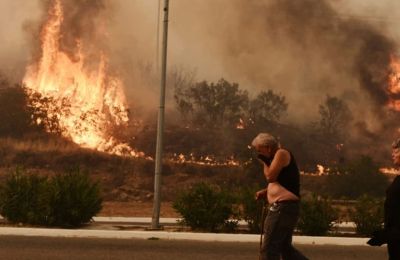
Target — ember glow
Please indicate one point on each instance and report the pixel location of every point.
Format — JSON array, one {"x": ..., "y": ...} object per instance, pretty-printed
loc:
[{"x": 89, "y": 102}]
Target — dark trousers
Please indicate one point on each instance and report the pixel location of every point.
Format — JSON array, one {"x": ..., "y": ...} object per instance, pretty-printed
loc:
[
  {"x": 394, "y": 250},
  {"x": 278, "y": 230}
]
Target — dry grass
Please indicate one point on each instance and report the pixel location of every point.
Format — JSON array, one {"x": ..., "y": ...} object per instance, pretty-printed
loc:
[
  {"x": 119, "y": 176},
  {"x": 136, "y": 209},
  {"x": 122, "y": 179},
  {"x": 127, "y": 183},
  {"x": 38, "y": 145}
]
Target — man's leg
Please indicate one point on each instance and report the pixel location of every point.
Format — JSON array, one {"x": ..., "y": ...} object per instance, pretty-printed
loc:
[
  {"x": 394, "y": 250},
  {"x": 291, "y": 253},
  {"x": 289, "y": 217},
  {"x": 270, "y": 249},
  {"x": 278, "y": 230}
]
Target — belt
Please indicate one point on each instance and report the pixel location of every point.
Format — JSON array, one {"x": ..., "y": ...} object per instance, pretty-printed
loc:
[
  {"x": 276, "y": 205},
  {"x": 287, "y": 201}
]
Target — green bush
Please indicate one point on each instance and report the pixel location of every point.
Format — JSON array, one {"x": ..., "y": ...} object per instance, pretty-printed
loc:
[
  {"x": 205, "y": 207},
  {"x": 251, "y": 210},
  {"x": 367, "y": 215},
  {"x": 230, "y": 226},
  {"x": 67, "y": 200},
  {"x": 316, "y": 216},
  {"x": 75, "y": 199},
  {"x": 24, "y": 198}
]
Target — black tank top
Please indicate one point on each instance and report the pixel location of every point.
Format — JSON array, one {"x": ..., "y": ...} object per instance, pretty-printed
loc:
[{"x": 289, "y": 177}]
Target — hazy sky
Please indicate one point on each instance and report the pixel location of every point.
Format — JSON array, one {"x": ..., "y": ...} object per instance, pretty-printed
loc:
[{"x": 303, "y": 51}]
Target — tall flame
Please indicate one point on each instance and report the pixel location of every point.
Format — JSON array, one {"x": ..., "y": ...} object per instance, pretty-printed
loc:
[{"x": 96, "y": 101}]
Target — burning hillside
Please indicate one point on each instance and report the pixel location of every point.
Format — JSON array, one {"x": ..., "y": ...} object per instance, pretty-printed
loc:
[
  {"x": 74, "y": 72},
  {"x": 303, "y": 53}
]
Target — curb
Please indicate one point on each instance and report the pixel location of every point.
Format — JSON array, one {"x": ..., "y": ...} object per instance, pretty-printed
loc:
[
  {"x": 84, "y": 233},
  {"x": 133, "y": 220},
  {"x": 168, "y": 221},
  {"x": 147, "y": 220}
]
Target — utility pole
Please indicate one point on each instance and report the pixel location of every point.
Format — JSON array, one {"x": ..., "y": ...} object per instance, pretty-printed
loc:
[
  {"x": 155, "y": 223},
  {"x": 158, "y": 39}
]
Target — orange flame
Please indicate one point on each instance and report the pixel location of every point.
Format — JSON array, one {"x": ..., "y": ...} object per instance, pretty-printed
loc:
[
  {"x": 209, "y": 160},
  {"x": 394, "y": 83},
  {"x": 389, "y": 171},
  {"x": 240, "y": 124},
  {"x": 95, "y": 99}
]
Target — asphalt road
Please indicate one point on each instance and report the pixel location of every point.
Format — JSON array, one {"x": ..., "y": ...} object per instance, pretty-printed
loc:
[{"x": 17, "y": 247}]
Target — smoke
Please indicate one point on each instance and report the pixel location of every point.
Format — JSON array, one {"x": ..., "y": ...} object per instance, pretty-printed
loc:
[
  {"x": 86, "y": 21},
  {"x": 16, "y": 42},
  {"x": 303, "y": 50}
]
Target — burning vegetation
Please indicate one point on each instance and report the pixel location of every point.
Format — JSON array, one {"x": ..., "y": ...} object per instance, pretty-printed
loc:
[
  {"x": 88, "y": 100},
  {"x": 78, "y": 93},
  {"x": 327, "y": 86}
]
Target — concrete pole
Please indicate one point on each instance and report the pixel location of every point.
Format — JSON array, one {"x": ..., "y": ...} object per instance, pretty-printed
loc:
[{"x": 155, "y": 223}]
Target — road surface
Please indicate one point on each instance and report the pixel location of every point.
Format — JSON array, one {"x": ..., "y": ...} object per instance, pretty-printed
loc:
[{"x": 21, "y": 248}]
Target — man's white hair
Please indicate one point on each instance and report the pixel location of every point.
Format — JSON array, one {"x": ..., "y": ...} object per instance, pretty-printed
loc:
[{"x": 265, "y": 139}]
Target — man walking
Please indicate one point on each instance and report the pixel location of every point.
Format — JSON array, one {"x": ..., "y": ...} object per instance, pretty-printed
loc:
[{"x": 283, "y": 194}]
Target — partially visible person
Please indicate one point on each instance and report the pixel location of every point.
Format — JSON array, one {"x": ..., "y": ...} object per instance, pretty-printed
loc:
[
  {"x": 283, "y": 194},
  {"x": 391, "y": 231}
]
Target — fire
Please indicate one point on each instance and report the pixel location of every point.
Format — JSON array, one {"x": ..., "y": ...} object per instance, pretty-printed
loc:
[
  {"x": 209, "y": 160},
  {"x": 389, "y": 171},
  {"x": 394, "y": 83},
  {"x": 88, "y": 101},
  {"x": 320, "y": 169},
  {"x": 240, "y": 124}
]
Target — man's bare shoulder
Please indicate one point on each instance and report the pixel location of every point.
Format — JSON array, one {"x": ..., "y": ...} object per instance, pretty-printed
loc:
[
  {"x": 283, "y": 155},
  {"x": 282, "y": 152}
]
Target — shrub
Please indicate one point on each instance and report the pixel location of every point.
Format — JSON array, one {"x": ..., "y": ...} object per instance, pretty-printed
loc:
[
  {"x": 367, "y": 215},
  {"x": 67, "y": 200},
  {"x": 251, "y": 210},
  {"x": 363, "y": 171},
  {"x": 205, "y": 207},
  {"x": 25, "y": 112},
  {"x": 230, "y": 226},
  {"x": 316, "y": 216},
  {"x": 15, "y": 114},
  {"x": 24, "y": 198},
  {"x": 75, "y": 199}
]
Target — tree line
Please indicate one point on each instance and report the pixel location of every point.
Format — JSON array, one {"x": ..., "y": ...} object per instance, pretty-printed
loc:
[
  {"x": 218, "y": 121},
  {"x": 215, "y": 113}
]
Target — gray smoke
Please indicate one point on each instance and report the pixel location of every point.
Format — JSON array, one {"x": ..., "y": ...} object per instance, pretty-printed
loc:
[
  {"x": 303, "y": 49},
  {"x": 82, "y": 20}
]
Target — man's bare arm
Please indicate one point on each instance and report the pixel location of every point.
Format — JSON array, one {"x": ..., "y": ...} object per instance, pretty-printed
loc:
[
  {"x": 261, "y": 194},
  {"x": 281, "y": 160}
]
